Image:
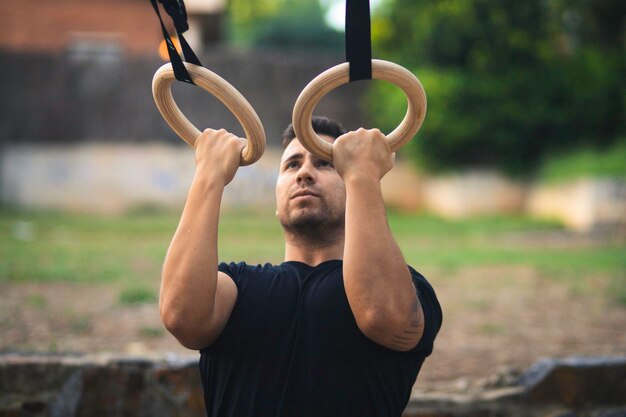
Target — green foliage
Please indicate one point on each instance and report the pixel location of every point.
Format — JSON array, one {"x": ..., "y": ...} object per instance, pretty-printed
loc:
[
  {"x": 491, "y": 329},
  {"x": 617, "y": 289},
  {"x": 281, "y": 24},
  {"x": 508, "y": 83},
  {"x": 37, "y": 301},
  {"x": 80, "y": 324},
  {"x": 151, "y": 332},
  {"x": 610, "y": 163},
  {"x": 137, "y": 294}
]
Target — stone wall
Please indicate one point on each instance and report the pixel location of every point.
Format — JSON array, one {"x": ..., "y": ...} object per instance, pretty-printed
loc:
[
  {"x": 472, "y": 193},
  {"x": 89, "y": 386},
  {"x": 570, "y": 387},
  {"x": 114, "y": 178},
  {"x": 73, "y": 386},
  {"x": 582, "y": 203}
]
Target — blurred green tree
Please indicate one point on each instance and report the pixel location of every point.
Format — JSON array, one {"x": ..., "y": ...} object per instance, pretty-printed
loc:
[
  {"x": 281, "y": 24},
  {"x": 508, "y": 82}
]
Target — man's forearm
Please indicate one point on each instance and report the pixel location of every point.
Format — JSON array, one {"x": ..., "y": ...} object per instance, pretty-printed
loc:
[
  {"x": 377, "y": 280},
  {"x": 190, "y": 269}
]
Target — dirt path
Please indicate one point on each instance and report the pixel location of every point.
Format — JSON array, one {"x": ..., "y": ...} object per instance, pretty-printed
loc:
[{"x": 494, "y": 318}]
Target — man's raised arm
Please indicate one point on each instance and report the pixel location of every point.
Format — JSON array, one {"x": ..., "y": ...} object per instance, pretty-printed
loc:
[
  {"x": 195, "y": 300},
  {"x": 377, "y": 280}
]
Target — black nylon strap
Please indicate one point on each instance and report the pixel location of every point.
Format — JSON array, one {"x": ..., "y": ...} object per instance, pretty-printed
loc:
[
  {"x": 176, "y": 10},
  {"x": 358, "y": 39}
]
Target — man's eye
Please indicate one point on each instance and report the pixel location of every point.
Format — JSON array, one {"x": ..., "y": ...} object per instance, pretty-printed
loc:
[
  {"x": 291, "y": 165},
  {"x": 326, "y": 164}
]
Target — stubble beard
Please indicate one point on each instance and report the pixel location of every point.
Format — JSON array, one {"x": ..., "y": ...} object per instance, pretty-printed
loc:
[{"x": 313, "y": 225}]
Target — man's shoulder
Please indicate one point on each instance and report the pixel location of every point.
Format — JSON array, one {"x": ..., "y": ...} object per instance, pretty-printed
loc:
[
  {"x": 419, "y": 279},
  {"x": 243, "y": 270},
  {"x": 237, "y": 268}
]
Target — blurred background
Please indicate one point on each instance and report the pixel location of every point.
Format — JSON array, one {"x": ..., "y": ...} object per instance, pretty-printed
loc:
[{"x": 511, "y": 199}]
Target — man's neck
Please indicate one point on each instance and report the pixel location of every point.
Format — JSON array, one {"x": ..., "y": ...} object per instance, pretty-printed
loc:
[{"x": 312, "y": 252}]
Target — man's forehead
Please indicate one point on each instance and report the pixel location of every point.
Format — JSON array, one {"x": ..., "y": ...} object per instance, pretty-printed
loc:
[{"x": 295, "y": 147}]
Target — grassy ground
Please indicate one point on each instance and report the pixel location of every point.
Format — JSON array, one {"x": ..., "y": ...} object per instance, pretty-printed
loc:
[
  {"x": 513, "y": 290},
  {"x": 45, "y": 247}
]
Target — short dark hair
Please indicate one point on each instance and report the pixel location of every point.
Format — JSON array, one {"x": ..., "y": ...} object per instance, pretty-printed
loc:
[{"x": 321, "y": 125}]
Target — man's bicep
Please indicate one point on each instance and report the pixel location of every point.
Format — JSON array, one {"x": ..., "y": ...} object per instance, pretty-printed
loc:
[{"x": 225, "y": 299}]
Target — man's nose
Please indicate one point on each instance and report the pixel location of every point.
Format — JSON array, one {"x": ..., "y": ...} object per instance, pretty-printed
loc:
[{"x": 306, "y": 173}]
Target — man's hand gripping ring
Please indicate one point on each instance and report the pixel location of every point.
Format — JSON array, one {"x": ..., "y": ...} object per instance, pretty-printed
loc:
[
  {"x": 223, "y": 91},
  {"x": 339, "y": 75}
]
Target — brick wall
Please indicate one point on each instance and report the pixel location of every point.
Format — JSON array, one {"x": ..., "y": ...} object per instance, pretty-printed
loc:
[{"x": 49, "y": 26}]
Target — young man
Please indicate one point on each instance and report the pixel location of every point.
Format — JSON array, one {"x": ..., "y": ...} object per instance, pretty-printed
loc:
[{"x": 341, "y": 328}]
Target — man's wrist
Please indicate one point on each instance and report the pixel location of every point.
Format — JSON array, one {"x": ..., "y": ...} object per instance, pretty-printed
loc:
[
  {"x": 361, "y": 179},
  {"x": 208, "y": 178}
]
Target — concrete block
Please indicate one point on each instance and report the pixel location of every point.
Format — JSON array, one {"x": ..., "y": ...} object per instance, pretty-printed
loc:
[
  {"x": 582, "y": 204},
  {"x": 473, "y": 193}
]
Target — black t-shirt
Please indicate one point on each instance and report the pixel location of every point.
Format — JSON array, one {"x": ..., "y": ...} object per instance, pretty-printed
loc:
[{"x": 292, "y": 348}]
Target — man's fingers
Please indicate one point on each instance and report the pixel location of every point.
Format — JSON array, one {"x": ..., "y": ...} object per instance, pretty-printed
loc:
[
  {"x": 217, "y": 138},
  {"x": 219, "y": 147},
  {"x": 240, "y": 143}
]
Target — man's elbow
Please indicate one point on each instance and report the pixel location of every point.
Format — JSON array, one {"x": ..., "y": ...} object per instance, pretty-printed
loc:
[
  {"x": 400, "y": 332},
  {"x": 183, "y": 329}
]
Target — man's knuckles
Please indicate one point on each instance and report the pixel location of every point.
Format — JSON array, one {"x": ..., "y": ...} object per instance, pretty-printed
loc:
[{"x": 219, "y": 139}]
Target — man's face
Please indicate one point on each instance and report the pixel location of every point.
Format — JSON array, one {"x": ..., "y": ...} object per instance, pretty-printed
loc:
[{"x": 309, "y": 193}]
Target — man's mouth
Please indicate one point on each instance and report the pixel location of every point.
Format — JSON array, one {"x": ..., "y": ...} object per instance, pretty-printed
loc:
[{"x": 303, "y": 193}]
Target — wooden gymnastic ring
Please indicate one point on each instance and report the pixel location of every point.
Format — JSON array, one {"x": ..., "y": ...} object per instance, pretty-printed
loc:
[
  {"x": 339, "y": 75},
  {"x": 223, "y": 91}
]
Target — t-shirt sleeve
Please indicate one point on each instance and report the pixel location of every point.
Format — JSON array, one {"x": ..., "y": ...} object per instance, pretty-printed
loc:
[
  {"x": 233, "y": 270},
  {"x": 432, "y": 313}
]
